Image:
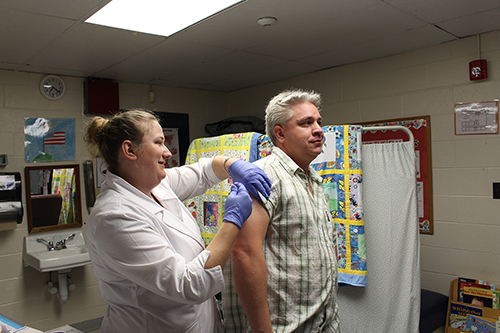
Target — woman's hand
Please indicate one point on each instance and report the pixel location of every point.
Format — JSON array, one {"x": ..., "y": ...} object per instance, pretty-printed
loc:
[
  {"x": 250, "y": 175},
  {"x": 238, "y": 205}
]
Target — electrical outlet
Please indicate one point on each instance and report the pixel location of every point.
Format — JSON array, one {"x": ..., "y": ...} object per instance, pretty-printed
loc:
[{"x": 496, "y": 190}]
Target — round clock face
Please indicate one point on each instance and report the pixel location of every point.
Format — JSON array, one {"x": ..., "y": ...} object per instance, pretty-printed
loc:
[{"x": 52, "y": 87}]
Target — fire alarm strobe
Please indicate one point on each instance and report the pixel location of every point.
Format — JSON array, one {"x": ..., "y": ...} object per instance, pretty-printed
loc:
[{"x": 477, "y": 70}]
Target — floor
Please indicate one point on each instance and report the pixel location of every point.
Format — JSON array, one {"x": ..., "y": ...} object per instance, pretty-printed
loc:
[
  {"x": 89, "y": 326},
  {"x": 439, "y": 330},
  {"x": 94, "y": 326}
]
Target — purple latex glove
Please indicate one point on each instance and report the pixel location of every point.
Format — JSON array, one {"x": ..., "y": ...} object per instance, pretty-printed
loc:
[
  {"x": 252, "y": 177},
  {"x": 238, "y": 205}
]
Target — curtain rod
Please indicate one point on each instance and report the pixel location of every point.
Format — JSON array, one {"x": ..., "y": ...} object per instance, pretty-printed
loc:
[{"x": 394, "y": 128}]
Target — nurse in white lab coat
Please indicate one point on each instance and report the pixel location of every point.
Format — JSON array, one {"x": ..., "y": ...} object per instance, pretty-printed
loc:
[{"x": 147, "y": 251}]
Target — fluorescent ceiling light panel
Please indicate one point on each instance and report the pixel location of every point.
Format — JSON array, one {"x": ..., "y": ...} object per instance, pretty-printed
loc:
[{"x": 157, "y": 17}]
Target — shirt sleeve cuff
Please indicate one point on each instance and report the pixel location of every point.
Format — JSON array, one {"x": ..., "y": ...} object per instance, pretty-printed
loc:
[
  {"x": 210, "y": 173},
  {"x": 215, "y": 273}
]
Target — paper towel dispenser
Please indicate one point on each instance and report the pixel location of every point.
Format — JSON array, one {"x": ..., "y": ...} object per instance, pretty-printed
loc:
[{"x": 11, "y": 208}]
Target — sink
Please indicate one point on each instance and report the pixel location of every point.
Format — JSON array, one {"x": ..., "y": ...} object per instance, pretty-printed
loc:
[{"x": 38, "y": 255}]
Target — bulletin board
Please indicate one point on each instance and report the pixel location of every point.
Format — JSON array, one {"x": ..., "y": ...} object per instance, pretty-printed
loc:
[{"x": 421, "y": 129}]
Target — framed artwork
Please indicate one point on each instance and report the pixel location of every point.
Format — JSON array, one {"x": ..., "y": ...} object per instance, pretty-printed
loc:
[
  {"x": 176, "y": 130},
  {"x": 421, "y": 129},
  {"x": 49, "y": 139}
]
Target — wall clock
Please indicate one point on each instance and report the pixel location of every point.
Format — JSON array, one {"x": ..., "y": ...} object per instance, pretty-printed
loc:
[{"x": 52, "y": 87}]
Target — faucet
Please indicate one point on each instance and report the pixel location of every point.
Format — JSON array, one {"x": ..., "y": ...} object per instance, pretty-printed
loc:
[
  {"x": 62, "y": 244},
  {"x": 50, "y": 244},
  {"x": 57, "y": 246}
]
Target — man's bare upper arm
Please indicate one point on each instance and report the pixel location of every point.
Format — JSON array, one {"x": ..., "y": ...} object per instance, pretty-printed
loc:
[{"x": 253, "y": 231}]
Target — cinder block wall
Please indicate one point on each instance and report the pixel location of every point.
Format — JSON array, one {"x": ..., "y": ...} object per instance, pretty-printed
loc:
[
  {"x": 425, "y": 82},
  {"x": 23, "y": 295}
]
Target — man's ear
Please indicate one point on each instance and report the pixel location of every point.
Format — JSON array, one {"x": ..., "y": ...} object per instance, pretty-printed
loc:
[
  {"x": 279, "y": 133},
  {"x": 129, "y": 150}
]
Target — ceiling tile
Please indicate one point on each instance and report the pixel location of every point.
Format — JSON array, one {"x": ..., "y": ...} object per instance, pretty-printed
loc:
[
  {"x": 172, "y": 55},
  {"x": 25, "y": 34},
  {"x": 434, "y": 11},
  {"x": 93, "y": 48},
  {"x": 230, "y": 51}
]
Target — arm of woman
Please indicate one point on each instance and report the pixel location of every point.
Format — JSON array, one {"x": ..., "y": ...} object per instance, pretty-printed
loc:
[
  {"x": 195, "y": 179},
  {"x": 220, "y": 164},
  {"x": 249, "y": 174},
  {"x": 238, "y": 208},
  {"x": 220, "y": 246}
]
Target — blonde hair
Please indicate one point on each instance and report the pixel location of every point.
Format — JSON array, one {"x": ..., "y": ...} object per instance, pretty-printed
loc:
[{"x": 105, "y": 136}]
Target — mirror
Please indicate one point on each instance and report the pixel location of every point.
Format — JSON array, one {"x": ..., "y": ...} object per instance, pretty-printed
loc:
[{"x": 53, "y": 197}]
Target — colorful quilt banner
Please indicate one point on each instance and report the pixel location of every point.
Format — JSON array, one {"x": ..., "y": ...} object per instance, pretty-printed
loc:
[
  {"x": 208, "y": 209},
  {"x": 340, "y": 165}
]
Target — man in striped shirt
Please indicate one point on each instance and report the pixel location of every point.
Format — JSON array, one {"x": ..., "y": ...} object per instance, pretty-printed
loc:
[{"x": 284, "y": 270}]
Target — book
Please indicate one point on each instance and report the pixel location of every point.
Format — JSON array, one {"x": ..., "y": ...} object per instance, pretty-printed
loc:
[
  {"x": 467, "y": 282},
  {"x": 459, "y": 313},
  {"x": 8, "y": 326},
  {"x": 477, "y": 296},
  {"x": 480, "y": 324},
  {"x": 458, "y": 322},
  {"x": 496, "y": 299}
]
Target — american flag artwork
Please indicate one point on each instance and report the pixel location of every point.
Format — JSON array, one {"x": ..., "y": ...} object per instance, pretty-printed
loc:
[
  {"x": 55, "y": 138},
  {"x": 49, "y": 139}
]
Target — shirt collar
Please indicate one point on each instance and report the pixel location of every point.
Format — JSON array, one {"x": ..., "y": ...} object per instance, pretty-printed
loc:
[
  {"x": 120, "y": 185},
  {"x": 291, "y": 167}
]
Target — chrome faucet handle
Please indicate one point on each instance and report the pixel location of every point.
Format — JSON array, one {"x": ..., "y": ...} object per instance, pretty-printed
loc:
[
  {"x": 50, "y": 244},
  {"x": 70, "y": 237},
  {"x": 62, "y": 244}
]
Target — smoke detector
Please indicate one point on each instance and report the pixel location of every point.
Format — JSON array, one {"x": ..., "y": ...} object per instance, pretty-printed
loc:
[{"x": 267, "y": 21}]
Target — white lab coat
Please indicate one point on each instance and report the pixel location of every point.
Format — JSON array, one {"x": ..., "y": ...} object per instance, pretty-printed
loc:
[{"x": 149, "y": 260}]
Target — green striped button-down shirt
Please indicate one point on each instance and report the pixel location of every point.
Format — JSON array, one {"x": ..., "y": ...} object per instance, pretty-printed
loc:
[{"x": 300, "y": 254}]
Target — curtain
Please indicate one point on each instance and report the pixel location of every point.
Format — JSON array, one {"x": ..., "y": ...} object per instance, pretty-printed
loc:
[{"x": 391, "y": 300}]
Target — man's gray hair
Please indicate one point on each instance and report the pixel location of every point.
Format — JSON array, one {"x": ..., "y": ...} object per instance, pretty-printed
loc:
[{"x": 279, "y": 108}]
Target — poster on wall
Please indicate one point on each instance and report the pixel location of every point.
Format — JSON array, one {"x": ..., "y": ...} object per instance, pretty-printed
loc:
[
  {"x": 176, "y": 130},
  {"x": 172, "y": 143},
  {"x": 476, "y": 118},
  {"x": 420, "y": 127},
  {"x": 49, "y": 139}
]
